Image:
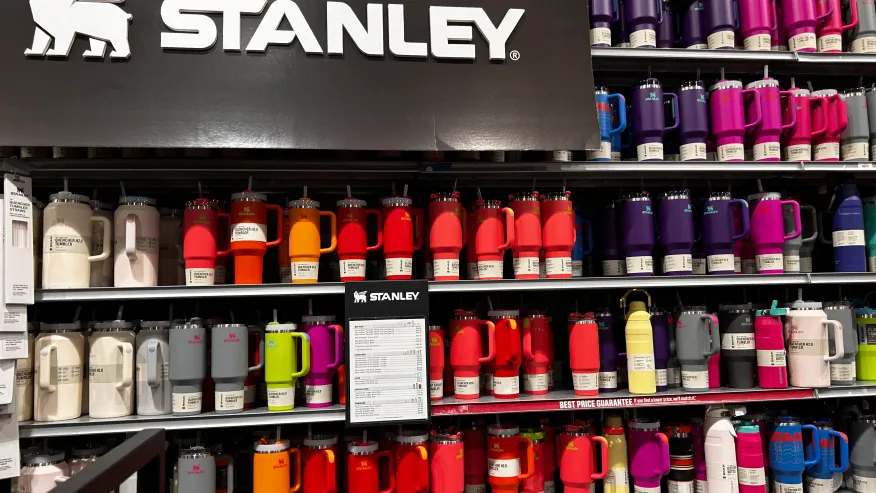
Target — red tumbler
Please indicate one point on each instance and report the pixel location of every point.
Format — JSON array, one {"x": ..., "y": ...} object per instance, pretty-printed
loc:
[
  {"x": 536, "y": 353},
  {"x": 249, "y": 234},
  {"x": 505, "y": 449},
  {"x": 436, "y": 362},
  {"x": 447, "y": 234},
  {"x": 471, "y": 255},
  {"x": 584, "y": 353},
  {"x": 448, "y": 465},
  {"x": 527, "y": 234},
  {"x": 535, "y": 483},
  {"x": 832, "y": 112},
  {"x": 353, "y": 237},
  {"x": 363, "y": 469},
  {"x": 489, "y": 235},
  {"x": 412, "y": 462},
  {"x": 576, "y": 452},
  {"x": 466, "y": 350},
  {"x": 199, "y": 241},
  {"x": 506, "y": 368},
  {"x": 550, "y": 454},
  {"x": 320, "y": 455},
  {"x": 399, "y": 238},
  {"x": 474, "y": 440},
  {"x": 558, "y": 234}
]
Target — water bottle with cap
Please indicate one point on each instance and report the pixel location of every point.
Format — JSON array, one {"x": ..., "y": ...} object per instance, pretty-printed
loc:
[
  {"x": 720, "y": 449},
  {"x": 640, "y": 346}
]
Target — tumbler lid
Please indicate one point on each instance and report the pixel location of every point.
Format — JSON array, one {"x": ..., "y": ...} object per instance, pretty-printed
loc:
[
  {"x": 68, "y": 197},
  {"x": 523, "y": 196},
  {"x": 44, "y": 458},
  {"x": 61, "y": 327},
  {"x": 726, "y": 84},
  {"x": 136, "y": 200},
  {"x": 202, "y": 203},
  {"x": 535, "y": 436},
  {"x": 601, "y": 90},
  {"x": 396, "y": 202},
  {"x": 645, "y": 425},
  {"x": 855, "y": 91},
  {"x": 556, "y": 196},
  {"x": 503, "y": 314},
  {"x": 837, "y": 305},
  {"x": 721, "y": 195},
  {"x": 350, "y": 202},
  {"x": 649, "y": 83},
  {"x": 695, "y": 310},
  {"x": 787, "y": 420},
  {"x": 317, "y": 319},
  {"x": 824, "y": 92},
  {"x": 764, "y": 196},
  {"x": 869, "y": 200},
  {"x": 412, "y": 437},
  {"x": 275, "y": 327},
  {"x": 88, "y": 450},
  {"x": 767, "y": 82},
  {"x": 196, "y": 452},
  {"x": 97, "y": 205},
  {"x": 249, "y": 196},
  {"x": 806, "y": 305},
  {"x": 799, "y": 91},
  {"x": 155, "y": 325},
  {"x": 656, "y": 310},
  {"x": 692, "y": 85},
  {"x": 740, "y": 308},
  {"x": 488, "y": 204},
  {"x": 188, "y": 326},
  {"x": 320, "y": 441},
  {"x": 503, "y": 430},
  {"x": 677, "y": 194},
  {"x": 362, "y": 448},
  {"x": 444, "y": 197},
  {"x": 112, "y": 325},
  {"x": 263, "y": 446},
  {"x": 447, "y": 438},
  {"x": 638, "y": 197},
  {"x": 435, "y": 327},
  {"x": 459, "y": 314},
  {"x": 302, "y": 203},
  {"x": 230, "y": 326}
]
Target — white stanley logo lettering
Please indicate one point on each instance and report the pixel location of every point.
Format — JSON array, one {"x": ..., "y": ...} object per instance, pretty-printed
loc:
[
  {"x": 397, "y": 296},
  {"x": 61, "y": 20},
  {"x": 450, "y": 28}
]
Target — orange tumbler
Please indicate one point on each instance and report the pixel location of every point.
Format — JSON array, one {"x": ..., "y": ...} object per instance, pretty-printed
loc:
[
  {"x": 304, "y": 239},
  {"x": 271, "y": 470},
  {"x": 249, "y": 234},
  {"x": 504, "y": 450}
]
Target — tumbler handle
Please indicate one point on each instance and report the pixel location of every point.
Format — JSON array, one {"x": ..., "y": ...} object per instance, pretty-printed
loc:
[
  {"x": 107, "y": 245},
  {"x": 131, "y": 237},
  {"x": 127, "y": 351},
  {"x": 664, "y": 455},
  {"x": 792, "y": 106},
  {"x": 491, "y": 342},
  {"x": 279, "y": 211},
  {"x": 339, "y": 346},
  {"x": 621, "y": 113},
  {"x": 841, "y": 114},
  {"x": 418, "y": 230},
  {"x": 530, "y": 458},
  {"x": 296, "y": 485},
  {"x": 826, "y": 15},
  {"x": 45, "y": 378},
  {"x": 745, "y": 221},
  {"x": 674, "y": 98},
  {"x": 814, "y": 224},
  {"x": 822, "y": 102},
  {"x": 261, "y": 363},
  {"x": 615, "y": 11},
  {"x": 305, "y": 354},
  {"x": 227, "y": 218},
  {"x": 391, "y": 475},
  {"x": 379, "y": 217},
  {"x": 659, "y": 11},
  {"x": 837, "y": 339},
  {"x": 798, "y": 229},
  {"x": 603, "y": 444},
  {"x": 509, "y": 229},
  {"x": 815, "y": 450},
  {"x": 755, "y": 96},
  {"x": 333, "y": 224},
  {"x": 844, "y": 451},
  {"x": 713, "y": 333},
  {"x": 853, "y": 5},
  {"x": 774, "y": 20}
]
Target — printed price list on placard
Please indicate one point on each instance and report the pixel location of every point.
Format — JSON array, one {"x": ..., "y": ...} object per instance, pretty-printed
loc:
[{"x": 388, "y": 370}]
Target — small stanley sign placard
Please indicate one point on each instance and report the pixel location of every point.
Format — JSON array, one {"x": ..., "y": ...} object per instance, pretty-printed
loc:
[{"x": 317, "y": 74}]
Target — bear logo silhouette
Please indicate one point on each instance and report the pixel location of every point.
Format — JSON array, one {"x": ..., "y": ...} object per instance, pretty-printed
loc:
[
  {"x": 359, "y": 296},
  {"x": 61, "y": 20}
]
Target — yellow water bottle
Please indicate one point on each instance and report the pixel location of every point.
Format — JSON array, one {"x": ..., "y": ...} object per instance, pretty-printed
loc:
[
  {"x": 617, "y": 480},
  {"x": 641, "y": 373}
]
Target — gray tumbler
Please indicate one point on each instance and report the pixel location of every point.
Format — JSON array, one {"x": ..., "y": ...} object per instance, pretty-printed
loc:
[
  {"x": 792, "y": 252},
  {"x": 230, "y": 364},
  {"x": 810, "y": 234},
  {"x": 188, "y": 349},
  {"x": 856, "y": 137},
  {"x": 738, "y": 353},
  {"x": 871, "y": 112},
  {"x": 863, "y": 36},
  {"x": 153, "y": 369},
  {"x": 862, "y": 452},
  {"x": 697, "y": 338},
  {"x": 843, "y": 371},
  {"x": 196, "y": 471}
]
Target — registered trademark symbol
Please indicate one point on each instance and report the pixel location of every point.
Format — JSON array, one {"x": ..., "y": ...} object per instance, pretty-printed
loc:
[{"x": 515, "y": 55}]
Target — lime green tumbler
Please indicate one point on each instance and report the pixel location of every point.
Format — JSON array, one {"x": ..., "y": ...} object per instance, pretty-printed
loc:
[{"x": 281, "y": 364}]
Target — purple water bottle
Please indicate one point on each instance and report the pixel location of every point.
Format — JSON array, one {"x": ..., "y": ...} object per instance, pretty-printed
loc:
[
  {"x": 721, "y": 24},
  {"x": 649, "y": 123},
  {"x": 602, "y": 14},
  {"x": 800, "y": 21},
  {"x": 718, "y": 236},
  {"x": 768, "y": 230},
  {"x": 767, "y": 146},
  {"x": 728, "y": 118},
  {"x": 643, "y": 16},
  {"x": 637, "y": 234},
  {"x": 693, "y": 35},
  {"x": 608, "y": 353},
  {"x": 676, "y": 232},
  {"x": 757, "y": 19},
  {"x": 613, "y": 264},
  {"x": 660, "y": 340},
  {"x": 693, "y": 127},
  {"x": 666, "y": 28},
  {"x": 847, "y": 238}
]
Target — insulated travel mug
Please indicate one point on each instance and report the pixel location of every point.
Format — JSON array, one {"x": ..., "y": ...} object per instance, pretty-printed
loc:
[
  {"x": 535, "y": 483},
  {"x": 769, "y": 342},
  {"x": 411, "y": 452},
  {"x": 871, "y": 103},
  {"x": 693, "y": 126},
  {"x": 693, "y": 27},
  {"x": 637, "y": 233},
  {"x": 135, "y": 245},
  {"x": 721, "y": 22},
  {"x": 509, "y": 353},
  {"x": 326, "y": 355},
  {"x": 617, "y": 479},
  {"x": 849, "y": 253},
  {"x": 681, "y": 463},
  {"x": 537, "y": 353},
  {"x": 718, "y": 232},
  {"x": 676, "y": 220},
  {"x": 799, "y": 21},
  {"x": 153, "y": 369},
  {"x": 363, "y": 469},
  {"x": 504, "y": 450},
  {"x": 436, "y": 362},
  {"x": 856, "y": 136},
  {"x": 67, "y": 241},
  {"x": 863, "y": 36},
  {"x": 527, "y": 234},
  {"x": 649, "y": 455},
  {"x": 319, "y": 455},
  {"x": 602, "y": 14},
  {"x": 768, "y": 231},
  {"x": 249, "y": 234},
  {"x": 447, "y": 470},
  {"x": 272, "y": 467},
  {"x": 649, "y": 122},
  {"x": 579, "y": 250},
  {"x": 808, "y": 350},
  {"x": 466, "y": 352},
  {"x": 304, "y": 239},
  {"x": 608, "y": 354},
  {"x": 474, "y": 439},
  {"x": 447, "y": 234},
  {"x": 660, "y": 335},
  {"x": 197, "y": 470},
  {"x": 604, "y": 113},
  {"x": 613, "y": 263},
  {"x": 281, "y": 364},
  {"x": 830, "y": 27},
  {"x": 642, "y": 18},
  {"x": 750, "y": 459},
  {"x": 720, "y": 450},
  {"x": 352, "y": 243},
  {"x": 584, "y": 355},
  {"x": 826, "y": 475},
  {"x": 188, "y": 354},
  {"x": 832, "y": 115},
  {"x": 576, "y": 458},
  {"x": 230, "y": 364},
  {"x": 102, "y": 270},
  {"x": 798, "y": 141},
  {"x": 757, "y": 18},
  {"x": 640, "y": 346},
  {"x": 842, "y": 370},
  {"x": 862, "y": 436},
  {"x": 666, "y": 29},
  {"x": 766, "y": 135},
  {"x": 400, "y": 239},
  {"x": 870, "y": 231},
  {"x": 558, "y": 234},
  {"x": 489, "y": 235},
  {"x": 200, "y": 221},
  {"x": 728, "y": 116},
  {"x": 697, "y": 337},
  {"x": 111, "y": 369},
  {"x": 787, "y": 459},
  {"x": 59, "y": 352},
  {"x": 791, "y": 252},
  {"x": 738, "y": 345}
]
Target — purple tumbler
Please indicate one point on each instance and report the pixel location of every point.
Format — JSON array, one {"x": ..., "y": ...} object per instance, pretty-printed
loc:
[
  {"x": 602, "y": 14},
  {"x": 768, "y": 230},
  {"x": 757, "y": 19},
  {"x": 666, "y": 28},
  {"x": 643, "y": 16},
  {"x": 718, "y": 231},
  {"x": 613, "y": 264},
  {"x": 649, "y": 454},
  {"x": 326, "y": 354},
  {"x": 608, "y": 353},
  {"x": 693, "y": 127},
  {"x": 693, "y": 35},
  {"x": 660, "y": 340},
  {"x": 728, "y": 118},
  {"x": 619, "y": 32},
  {"x": 767, "y": 145},
  {"x": 677, "y": 235},
  {"x": 800, "y": 21},
  {"x": 721, "y": 24},
  {"x": 649, "y": 122},
  {"x": 637, "y": 234}
]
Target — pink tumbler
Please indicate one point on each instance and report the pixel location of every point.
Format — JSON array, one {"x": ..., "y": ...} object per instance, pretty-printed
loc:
[
  {"x": 830, "y": 30},
  {"x": 766, "y": 136},
  {"x": 749, "y": 460},
  {"x": 768, "y": 230},
  {"x": 798, "y": 140},
  {"x": 800, "y": 22},
  {"x": 757, "y": 21},
  {"x": 728, "y": 117},
  {"x": 769, "y": 341},
  {"x": 832, "y": 114}
]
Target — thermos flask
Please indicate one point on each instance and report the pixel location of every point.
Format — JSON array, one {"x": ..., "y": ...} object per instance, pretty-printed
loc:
[
  {"x": 766, "y": 136},
  {"x": 863, "y": 36},
  {"x": 558, "y": 233},
  {"x": 681, "y": 463},
  {"x": 535, "y": 483},
  {"x": 608, "y": 353},
  {"x": 649, "y": 455},
  {"x": 649, "y": 121},
  {"x": 862, "y": 436},
  {"x": 304, "y": 239},
  {"x": 721, "y": 22},
  {"x": 352, "y": 218},
  {"x": 272, "y": 470},
  {"x": 604, "y": 113},
  {"x": 509, "y": 353},
  {"x": 720, "y": 450},
  {"x": 447, "y": 234},
  {"x": 200, "y": 221},
  {"x": 676, "y": 232},
  {"x": 697, "y": 337},
  {"x": 769, "y": 342},
  {"x": 447, "y": 468},
  {"x": 693, "y": 126},
  {"x": 750, "y": 459},
  {"x": 786, "y": 453},
  {"x": 504, "y": 449},
  {"x": 584, "y": 355},
  {"x": 637, "y": 233},
  {"x": 474, "y": 439},
  {"x": 792, "y": 252},
  {"x": 728, "y": 115},
  {"x": 642, "y": 18},
  {"x": 537, "y": 353},
  {"x": 756, "y": 18},
  {"x": 830, "y": 27},
  {"x": 436, "y": 362},
  {"x": 489, "y": 235},
  {"x": 847, "y": 212},
  {"x": 249, "y": 234},
  {"x": 842, "y": 370},
  {"x": 400, "y": 236},
  {"x": 576, "y": 458},
  {"x": 466, "y": 350},
  {"x": 640, "y": 346},
  {"x": 363, "y": 469},
  {"x": 693, "y": 27},
  {"x": 827, "y": 474},
  {"x": 613, "y": 262},
  {"x": 326, "y": 356},
  {"x": 602, "y": 14},
  {"x": 799, "y": 20},
  {"x": 281, "y": 364},
  {"x": 411, "y": 450},
  {"x": 718, "y": 231},
  {"x": 660, "y": 337},
  {"x": 856, "y": 136},
  {"x": 767, "y": 230},
  {"x": 808, "y": 350},
  {"x": 798, "y": 141},
  {"x": 527, "y": 234},
  {"x": 320, "y": 469},
  {"x": 865, "y": 363},
  {"x": 188, "y": 354},
  {"x": 832, "y": 115},
  {"x": 738, "y": 345},
  {"x": 617, "y": 479},
  {"x": 579, "y": 250}
]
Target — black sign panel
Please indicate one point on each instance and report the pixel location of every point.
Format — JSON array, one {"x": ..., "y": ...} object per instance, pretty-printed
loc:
[
  {"x": 442, "y": 74},
  {"x": 387, "y": 352}
]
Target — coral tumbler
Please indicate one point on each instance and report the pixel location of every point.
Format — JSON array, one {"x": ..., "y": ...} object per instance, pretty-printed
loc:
[
  {"x": 363, "y": 469},
  {"x": 584, "y": 354},
  {"x": 304, "y": 239},
  {"x": 272, "y": 465},
  {"x": 353, "y": 237},
  {"x": 504, "y": 450},
  {"x": 320, "y": 456},
  {"x": 489, "y": 234},
  {"x": 199, "y": 241},
  {"x": 576, "y": 457},
  {"x": 399, "y": 238},
  {"x": 249, "y": 234},
  {"x": 558, "y": 233},
  {"x": 447, "y": 470},
  {"x": 527, "y": 234},
  {"x": 412, "y": 462},
  {"x": 537, "y": 353},
  {"x": 466, "y": 349},
  {"x": 447, "y": 234},
  {"x": 436, "y": 362}
]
